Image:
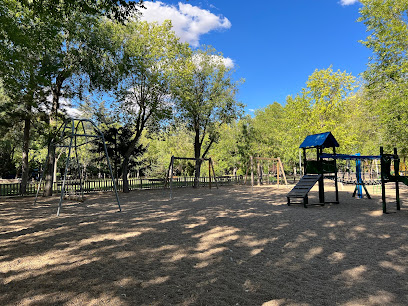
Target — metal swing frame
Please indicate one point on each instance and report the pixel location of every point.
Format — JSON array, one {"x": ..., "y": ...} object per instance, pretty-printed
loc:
[{"x": 70, "y": 130}]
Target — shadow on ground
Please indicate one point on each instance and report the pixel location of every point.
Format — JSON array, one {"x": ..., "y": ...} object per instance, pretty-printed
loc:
[{"x": 230, "y": 246}]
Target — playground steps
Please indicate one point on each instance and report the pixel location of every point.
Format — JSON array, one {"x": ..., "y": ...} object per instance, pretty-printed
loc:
[{"x": 303, "y": 187}]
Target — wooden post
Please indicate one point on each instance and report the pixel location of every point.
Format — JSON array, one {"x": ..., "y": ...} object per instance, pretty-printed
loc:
[
  {"x": 259, "y": 172},
  {"x": 277, "y": 173},
  {"x": 396, "y": 171},
  {"x": 215, "y": 179},
  {"x": 209, "y": 173},
  {"x": 246, "y": 173},
  {"x": 252, "y": 173},
  {"x": 171, "y": 176},
  {"x": 304, "y": 162},
  {"x": 280, "y": 164},
  {"x": 336, "y": 185},
  {"x": 384, "y": 204},
  {"x": 319, "y": 150},
  {"x": 167, "y": 181}
]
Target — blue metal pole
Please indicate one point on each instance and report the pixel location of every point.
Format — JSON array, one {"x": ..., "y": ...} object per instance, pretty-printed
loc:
[{"x": 359, "y": 179}]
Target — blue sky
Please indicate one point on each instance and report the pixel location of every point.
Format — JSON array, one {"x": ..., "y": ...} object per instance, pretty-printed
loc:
[{"x": 273, "y": 45}]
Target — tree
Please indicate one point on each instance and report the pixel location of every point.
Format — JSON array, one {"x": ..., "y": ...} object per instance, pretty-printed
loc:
[
  {"x": 165, "y": 143},
  {"x": 9, "y": 136},
  {"x": 204, "y": 96},
  {"x": 30, "y": 43},
  {"x": 268, "y": 124},
  {"x": 387, "y": 72},
  {"x": 22, "y": 69},
  {"x": 297, "y": 125},
  {"x": 325, "y": 96},
  {"x": 84, "y": 64},
  {"x": 226, "y": 152},
  {"x": 327, "y": 92},
  {"x": 147, "y": 57}
]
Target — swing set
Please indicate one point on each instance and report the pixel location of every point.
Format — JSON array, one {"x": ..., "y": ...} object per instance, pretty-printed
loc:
[
  {"x": 170, "y": 172},
  {"x": 72, "y": 134},
  {"x": 273, "y": 168}
]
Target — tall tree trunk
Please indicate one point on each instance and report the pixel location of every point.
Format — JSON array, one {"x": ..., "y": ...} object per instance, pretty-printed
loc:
[
  {"x": 125, "y": 169},
  {"x": 49, "y": 178},
  {"x": 24, "y": 161},
  {"x": 55, "y": 166},
  {"x": 126, "y": 158},
  {"x": 197, "y": 152}
]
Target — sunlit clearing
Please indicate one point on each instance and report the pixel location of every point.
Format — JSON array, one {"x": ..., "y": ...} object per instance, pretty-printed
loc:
[
  {"x": 111, "y": 236},
  {"x": 198, "y": 222},
  {"x": 359, "y": 228},
  {"x": 351, "y": 276},
  {"x": 313, "y": 252},
  {"x": 209, "y": 254},
  {"x": 381, "y": 298},
  {"x": 216, "y": 236},
  {"x": 256, "y": 252},
  {"x": 281, "y": 302},
  {"x": 156, "y": 281},
  {"x": 390, "y": 265},
  {"x": 334, "y": 224},
  {"x": 42, "y": 264},
  {"x": 377, "y": 213},
  {"x": 336, "y": 257}
]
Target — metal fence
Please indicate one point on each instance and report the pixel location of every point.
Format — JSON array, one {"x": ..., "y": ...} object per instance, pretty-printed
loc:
[{"x": 100, "y": 185}]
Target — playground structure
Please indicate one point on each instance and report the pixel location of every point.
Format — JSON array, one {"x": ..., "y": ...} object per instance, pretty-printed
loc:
[
  {"x": 368, "y": 170},
  {"x": 72, "y": 134},
  {"x": 314, "y": 170},
  {"x": 386, "y": 176},
  {"x": 170, "y": 172},
  {"x": 274, "y": 169},
  {"x": 325, "y": 163}
]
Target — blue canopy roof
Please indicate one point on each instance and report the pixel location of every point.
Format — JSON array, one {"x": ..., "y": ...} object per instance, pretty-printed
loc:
[{"x": 325, "y": 140}]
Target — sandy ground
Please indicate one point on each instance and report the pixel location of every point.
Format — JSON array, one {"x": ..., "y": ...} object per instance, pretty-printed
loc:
[{"x": 229, "y": 246}]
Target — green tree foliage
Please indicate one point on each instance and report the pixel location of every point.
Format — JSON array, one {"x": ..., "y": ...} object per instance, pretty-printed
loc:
[
  {"x": 362, "y": 126},
  {"x": 323, "y": 105},
  {"x": 225, "y": 153},
  {"x": 147, "y": 57},
  {"x": 387, "y": 72},
  {"x": 204, "y": 95},
  {"x": 327, "y": 92},
  {"x": 296, "y": 126},
  {"x": 270, "y": 129},
  {"x": 117, "y": 141},
  {"x": 36, "y": 43},
  {"x": 163, "y": 144},
  {"x": 8, "y": 139}
]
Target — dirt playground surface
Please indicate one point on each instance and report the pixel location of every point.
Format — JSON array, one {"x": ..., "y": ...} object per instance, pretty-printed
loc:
[{"x": 229, "y": 246}]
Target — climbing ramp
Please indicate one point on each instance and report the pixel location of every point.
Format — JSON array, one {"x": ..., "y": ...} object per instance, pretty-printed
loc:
[{"x": 302, "y": 188}]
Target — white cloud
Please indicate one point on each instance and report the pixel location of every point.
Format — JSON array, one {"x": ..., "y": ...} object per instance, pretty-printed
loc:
[
  {"x": 348, "y": 2},
  {"x": 71, "y": 111},
  {"x": 189, "y": 22},
  {"x": 65, "y": 105},
  {"x": 228, "y": 62}
]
